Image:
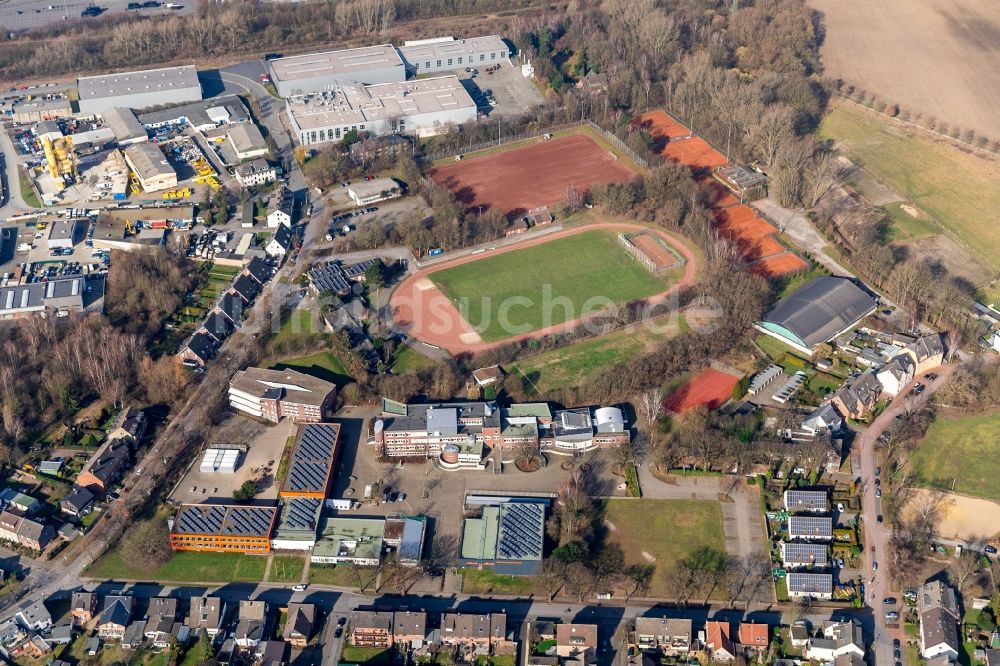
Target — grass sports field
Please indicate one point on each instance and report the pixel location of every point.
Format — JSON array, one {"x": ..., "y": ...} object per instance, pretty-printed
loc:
[
  {"x": 961, "y": 453},
  {"x": 661, "y": 532},
  {"x": 575, "y": 363},
  {"x": 959, "y": 191},
  {"x": 552, "y": 283}
]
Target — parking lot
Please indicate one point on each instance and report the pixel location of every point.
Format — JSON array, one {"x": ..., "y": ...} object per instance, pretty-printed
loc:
[
  {"x": 18, "y": 15},
  {"x": 511, "y": 92},
  {"x": 389, "y": 214},
  {"x": 259, "y": 464}
]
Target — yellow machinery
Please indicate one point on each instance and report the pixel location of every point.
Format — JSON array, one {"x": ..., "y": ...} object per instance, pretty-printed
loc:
[{"x": 60, "y": 156}]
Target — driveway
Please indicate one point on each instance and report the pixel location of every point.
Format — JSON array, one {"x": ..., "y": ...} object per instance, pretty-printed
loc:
[
  {"x": 879, "y": 585},
  {"x": 797, "y": 227}
]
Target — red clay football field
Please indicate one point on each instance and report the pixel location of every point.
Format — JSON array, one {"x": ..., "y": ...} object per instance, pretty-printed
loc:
[
  {"x": 538, "y": 174},
  {"x": 710, "y": 388}
]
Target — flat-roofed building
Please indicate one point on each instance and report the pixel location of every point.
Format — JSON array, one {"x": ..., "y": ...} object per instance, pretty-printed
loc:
[
  {"x": 508, "y": 536},
  {"x": 57, "y": 296},
  {"x": 365, "y": 192},
  {"x": 150, "y": 166},
  {"x": 65, "y": 233},
  {"x": 447, "y": 53},
  {"x": 125, "y": 125},
  {"x": 423, "y": 107},
  {"x": 357, "y": 541},
  {"x": 298, "y": 523},
  {"x": 274, "y": 394},
  {"x": 139, "y": 89},
  {"x": 310, "y": 469},
  {"x": 313, "y": 72},
  {"x": 38, "y": 109},
  {"x": 223, "y": 528}
]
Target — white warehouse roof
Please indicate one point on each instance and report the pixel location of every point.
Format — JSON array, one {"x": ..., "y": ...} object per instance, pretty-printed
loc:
[{"x": 143, "y": 81}]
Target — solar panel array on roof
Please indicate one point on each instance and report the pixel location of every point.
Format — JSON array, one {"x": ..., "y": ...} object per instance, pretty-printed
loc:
[
  {"x": 301, "y": 513},
  {"x": 810, "y": 526},
  {"x": 201, "y": 520},
  {"x": 312, "y": 459},
  {"x": 228, "y": 520},
  {"x": 810, "y": 583},
  {"x": 521, "y": 531},
  {"x": 804, "y": 553},
  {"x": 806, "y": 500},
  {"x": 244, "y": 520}
]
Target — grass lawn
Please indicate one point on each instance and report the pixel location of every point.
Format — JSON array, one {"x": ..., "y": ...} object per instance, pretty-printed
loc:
[
  {"x": 27, "y": 189},
  {"x": 905, "y": 227},
  {"x": 407, "y": 360},
  {"x": 185, "y": 567},
  {"x": 297, "y": 323},
  {"x": 775, "y": 348},
  {"x": 287, "y": 569},
  {"x": 569, "y": 365},
  {"x": 547, "y": 284},
  {"x": 321, "y": 364},
  {"x": 667, "y": 530},
  {"x": 341, "y": 575},
  {"x": 822, "y": 383},
  {"x": 354, "y": 654},
  {"x": 958, "y": 190},
  {"x": 964, "y": 451},
  {"x": 484, "y": 581}
]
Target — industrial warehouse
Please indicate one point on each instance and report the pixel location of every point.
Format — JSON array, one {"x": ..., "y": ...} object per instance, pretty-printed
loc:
[
  {"x": 151, "y": 167},
  {"x": 507, "y": 535},
  {"x": 382, "y": 63},
  {"x": 422, "y": 107},
  {"x": 138, "y": 90}
]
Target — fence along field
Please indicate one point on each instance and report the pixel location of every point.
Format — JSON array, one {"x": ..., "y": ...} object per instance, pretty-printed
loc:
[{"x": 933, "y": 57}]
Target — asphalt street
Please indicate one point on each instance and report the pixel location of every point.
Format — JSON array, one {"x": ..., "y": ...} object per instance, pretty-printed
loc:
[{"x": 878, "y": 584}]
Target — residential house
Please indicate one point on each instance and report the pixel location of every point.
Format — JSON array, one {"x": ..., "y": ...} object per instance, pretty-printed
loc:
[
  {"x": 939, "y": 618},
  {"x": 927, "y": 353},
  {"x": 83, "y": 607},
  {"x": 24, "y": 504},
  {"x": 77, "y": 503},
  {"x": 371, "y": 628},
  {"x": 23, "y": 531},
  {"x": 217, "y": 326},
  {"x": 271, "y": 653},
  {"x": 754, "y": 636},
  {"x": 802, "y": 555},
  {"x": 134, "y": 636},
  {"x": 255, "y": 173},
  {"x": 810, "y": 528},
  {"x": 13, "y": 639},
  {"x": 206, "y": 614},
  {"x": 231, "y": 307},
  {"x": 810, "y": 585},
  {"x": 823, "y": 419},
  {"x": 577, "y": 642},
  {"x": 105, "y": 467},
  {"x": 246, "y": 288},
  {"x": 806, "y": 501},
  {"x": 259, "y": 270},
  {"x": 280, "y": 243},
  {"x": 199, "y": 349},
  {"x": 798, "y": 635},
  {"x": 475, "y": 632},
  {"x": 59, "y": 635},
  {"x": 718, "y": 644},
  {"x": 130, "y": 424},
  {"x": 34, "y": 616},
  {"x": 300, "y": 624},
  {"x": 409, "y": 628},
  {"x": 486, "y": 376},
  {"x": 895, "y": 375},
  {"x": 858, "y": 396},
  {"x": 280, "y": 209},
  {"x": 838, "y": 639},
  {"x": 115, "y": 617},
  {"x": 160, "y": 621},
  {"x": 252, "y": 620},
  {"x": 672, "y": 636}
]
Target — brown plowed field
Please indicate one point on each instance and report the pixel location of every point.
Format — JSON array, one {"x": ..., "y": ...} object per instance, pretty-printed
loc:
[
  {"x": 517, "y": 180},
  {"x": 936, "y": 57}
]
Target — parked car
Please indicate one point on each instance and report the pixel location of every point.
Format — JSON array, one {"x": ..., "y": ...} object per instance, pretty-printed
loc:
[
  {"x": 889, "y": 601},
  {"x": 879, "y": 519},
  {"x": 990, "y": 550},
  {"x": 878, "y": 492},
  {"x": 874, "y": 566}
]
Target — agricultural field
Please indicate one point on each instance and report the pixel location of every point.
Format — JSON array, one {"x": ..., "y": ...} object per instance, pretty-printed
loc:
[
  {"x": 961, "y": 454},
  {"x": 935, "y": 57},
  {"x": 662, "y": 532},
  {"x": 957, "y": 191},
  {"x": 535, "y": 174},
  {"x": 575, "y": 363},
  {"x": 547, "y": 284}
]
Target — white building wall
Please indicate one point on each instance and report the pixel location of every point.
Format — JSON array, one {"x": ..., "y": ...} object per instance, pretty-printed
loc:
[{"x": 141, "y": 100}]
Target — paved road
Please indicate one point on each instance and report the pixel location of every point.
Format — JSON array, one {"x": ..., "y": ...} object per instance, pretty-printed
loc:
[
  {"x": 18, "y": 15},
  {"x": 14, "y": 202},
  {"x": 879, "y": 584}
]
